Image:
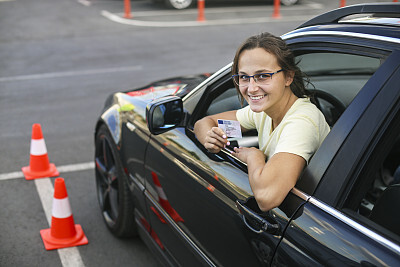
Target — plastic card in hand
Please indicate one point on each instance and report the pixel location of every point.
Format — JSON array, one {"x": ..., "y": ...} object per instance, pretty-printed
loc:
[{"x": 231, "y": 128}]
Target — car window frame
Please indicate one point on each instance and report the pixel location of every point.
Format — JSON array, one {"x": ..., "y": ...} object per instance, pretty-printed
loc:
[
  {"x": 312, "y": 174},
  {"x": 336, "y": 182}
]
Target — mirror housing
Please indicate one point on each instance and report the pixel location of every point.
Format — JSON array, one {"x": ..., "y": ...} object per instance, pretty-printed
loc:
[{"x": 164, "y": 114}]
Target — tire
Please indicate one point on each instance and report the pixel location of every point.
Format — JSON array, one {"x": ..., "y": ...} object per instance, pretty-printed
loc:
[
  {"x": 113, "y": 194},
  {"x": 289, "y": 2},
  {"x": 178, "y": 4}
]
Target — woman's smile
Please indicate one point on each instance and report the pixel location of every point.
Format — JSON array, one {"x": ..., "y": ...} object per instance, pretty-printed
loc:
[{"x": 256, "y": 97}]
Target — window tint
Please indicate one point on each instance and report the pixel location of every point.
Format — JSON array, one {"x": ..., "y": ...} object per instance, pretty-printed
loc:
[
  {"x": 336, "y": 79},
  {"x": 375, "y": 196},
  {"x": 339, "y": 63}
]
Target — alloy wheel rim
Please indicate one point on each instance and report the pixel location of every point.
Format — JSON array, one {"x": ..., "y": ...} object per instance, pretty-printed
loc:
[{"x": 107, "y": 181}]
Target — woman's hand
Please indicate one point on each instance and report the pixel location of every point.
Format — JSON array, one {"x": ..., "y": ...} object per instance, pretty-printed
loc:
[
  {"x": 247, "y": 154},
  {"x": 215, "y": 140}
]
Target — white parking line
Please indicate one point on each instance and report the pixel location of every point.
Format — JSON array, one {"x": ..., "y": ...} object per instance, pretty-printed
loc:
[
  {"x": 218, "y": 10},
  {"x": 68, "y": 73},
  {"x": 85, "y": 2},
  {"x": 62, "y": 169},
  {"x": 70, "y": 257},
  {"x": 119, "y": 19}
]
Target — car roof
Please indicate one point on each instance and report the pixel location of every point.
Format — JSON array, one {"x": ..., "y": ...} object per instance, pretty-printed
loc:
[
  {"x": 381, "y": 20},
  {"x": 375, "y": 10}
]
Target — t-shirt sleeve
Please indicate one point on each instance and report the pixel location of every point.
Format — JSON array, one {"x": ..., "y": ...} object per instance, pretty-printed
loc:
[
  {"x": 299, "y": 136},
  {"x": 246, "y": 118}
]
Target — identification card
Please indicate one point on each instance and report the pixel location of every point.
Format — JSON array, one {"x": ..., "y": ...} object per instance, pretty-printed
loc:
[{"x": 231, "y": 128}]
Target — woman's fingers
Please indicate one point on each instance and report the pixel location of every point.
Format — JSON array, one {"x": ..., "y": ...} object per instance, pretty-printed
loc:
[{"x": 216, "y": 139}]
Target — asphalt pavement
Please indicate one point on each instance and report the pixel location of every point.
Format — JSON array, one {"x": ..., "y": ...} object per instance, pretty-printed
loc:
[{"x": 59, "y": 62}]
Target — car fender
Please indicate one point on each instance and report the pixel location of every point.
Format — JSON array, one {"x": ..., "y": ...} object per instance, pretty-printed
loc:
[{"x": 120, "y": 108}]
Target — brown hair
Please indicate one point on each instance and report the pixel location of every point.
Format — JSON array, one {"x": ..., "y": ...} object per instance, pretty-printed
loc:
[{"x": 276, "y": 46}]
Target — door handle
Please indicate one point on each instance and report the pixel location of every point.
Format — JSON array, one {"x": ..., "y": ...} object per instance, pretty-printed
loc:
[{"x": 256, "y": 220}]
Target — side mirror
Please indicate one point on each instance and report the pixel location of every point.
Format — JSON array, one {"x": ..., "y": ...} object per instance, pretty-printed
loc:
[{"x": 164, "y": 114}]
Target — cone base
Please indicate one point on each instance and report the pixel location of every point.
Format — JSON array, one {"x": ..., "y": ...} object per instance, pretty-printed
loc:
[
  {"x": 30, "y": 175},
  {"x": 51, "y": 243}
]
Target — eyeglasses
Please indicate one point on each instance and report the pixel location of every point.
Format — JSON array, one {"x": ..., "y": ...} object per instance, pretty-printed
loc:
[{"x": 243, "y": 80}]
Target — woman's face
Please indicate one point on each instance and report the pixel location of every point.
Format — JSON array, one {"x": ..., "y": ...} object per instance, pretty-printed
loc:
[{"x": 264, "y": 98}]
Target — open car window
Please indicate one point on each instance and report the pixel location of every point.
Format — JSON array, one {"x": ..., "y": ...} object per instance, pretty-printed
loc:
[
  {"x": 335, "y": 79},
  {"x": 224, "y": 97}
]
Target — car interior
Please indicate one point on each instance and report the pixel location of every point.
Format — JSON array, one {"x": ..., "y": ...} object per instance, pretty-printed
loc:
[
  {"x": 379, "y": 203},
  {"x": 375, "y": 187}
]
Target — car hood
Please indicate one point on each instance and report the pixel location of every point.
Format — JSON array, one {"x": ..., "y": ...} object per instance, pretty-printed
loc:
[
  {"x": 131, "y": 105},
  {"x": 179, "y": 86}
]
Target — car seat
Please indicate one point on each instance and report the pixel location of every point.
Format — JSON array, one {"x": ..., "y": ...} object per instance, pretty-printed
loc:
[{"x": 386, "y": 211}]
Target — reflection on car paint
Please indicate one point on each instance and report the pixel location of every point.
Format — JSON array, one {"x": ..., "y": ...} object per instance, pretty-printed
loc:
[
  {"x": 152, "y": 92},
  {"x": 163, "y": 200}
]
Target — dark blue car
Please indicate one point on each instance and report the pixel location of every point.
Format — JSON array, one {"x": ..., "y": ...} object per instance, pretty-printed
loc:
[{"x": 191, "y": 207}]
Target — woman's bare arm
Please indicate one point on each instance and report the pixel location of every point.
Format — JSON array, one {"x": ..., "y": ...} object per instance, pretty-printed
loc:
[{"x": 271, "y": 181}]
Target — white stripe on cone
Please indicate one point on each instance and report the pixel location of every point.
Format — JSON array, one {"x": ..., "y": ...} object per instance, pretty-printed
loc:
[
  {"x": 38, "y": 147},
  {"x": 61, "y": 208},
  {"x": 161, "y": 193}
]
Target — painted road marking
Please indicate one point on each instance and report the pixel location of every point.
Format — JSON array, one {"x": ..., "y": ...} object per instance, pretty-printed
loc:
[
  {"x": 61, "y": 169},
  {"x": 68, "y": 74},
  {"x": 85, "y": 2},
  {"x": 68, "y": 256},
  {"x": 217, "y": 10},
  {"x": 119, "y": 17}
]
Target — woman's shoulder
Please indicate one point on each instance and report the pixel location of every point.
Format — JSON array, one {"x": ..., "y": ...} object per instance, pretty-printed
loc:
[{"x": 304, "y": 107}]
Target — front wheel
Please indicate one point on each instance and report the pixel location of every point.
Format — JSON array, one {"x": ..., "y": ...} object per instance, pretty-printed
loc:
[
  {"x": 112, "y": 190},
  {"x": 178, "y": 4}
]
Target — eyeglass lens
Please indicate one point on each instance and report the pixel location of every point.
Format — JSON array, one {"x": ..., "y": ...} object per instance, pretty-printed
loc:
[{"x": 244, "y": 80}]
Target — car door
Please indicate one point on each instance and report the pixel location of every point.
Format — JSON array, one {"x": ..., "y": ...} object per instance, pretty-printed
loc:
[
  {"x": 353, "y": 217},
  {"x": 193, "y": 193}
]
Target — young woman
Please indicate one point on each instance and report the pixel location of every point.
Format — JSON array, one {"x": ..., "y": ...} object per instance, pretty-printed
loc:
[{"x": 290, "y": 128}]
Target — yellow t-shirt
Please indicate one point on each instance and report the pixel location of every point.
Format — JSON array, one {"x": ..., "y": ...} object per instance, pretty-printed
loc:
[{"x": 301, "y": 131}]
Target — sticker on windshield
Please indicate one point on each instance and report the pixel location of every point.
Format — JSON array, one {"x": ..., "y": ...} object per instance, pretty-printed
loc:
[{"x": 231, "y": 128}]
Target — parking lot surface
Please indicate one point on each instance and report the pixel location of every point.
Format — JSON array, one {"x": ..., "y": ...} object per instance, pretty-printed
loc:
[{"x": 59, "y": 62}]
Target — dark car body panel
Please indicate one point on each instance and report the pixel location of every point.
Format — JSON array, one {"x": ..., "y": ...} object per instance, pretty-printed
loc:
[
  {"x": 317, "y": 237},
  {"x": 199, "y": 190}
]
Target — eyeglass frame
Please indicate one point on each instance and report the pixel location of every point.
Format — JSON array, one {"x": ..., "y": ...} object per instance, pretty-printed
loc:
[{"x": 252, "y": 76}]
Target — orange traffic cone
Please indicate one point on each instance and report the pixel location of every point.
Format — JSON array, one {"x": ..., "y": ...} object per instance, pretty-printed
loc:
[
  {"x": 63, "y": 232},
  {"x": 39, "y": 165},
  {"x": 200, "y": 11}
]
